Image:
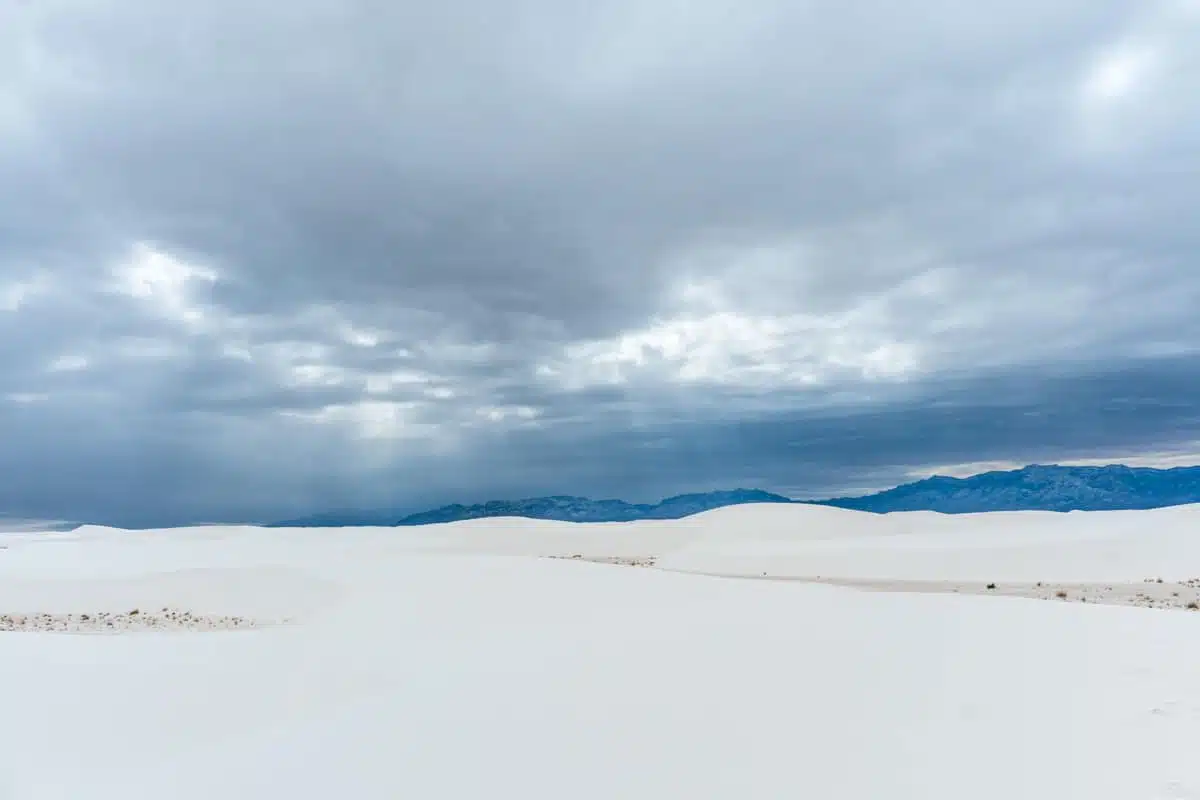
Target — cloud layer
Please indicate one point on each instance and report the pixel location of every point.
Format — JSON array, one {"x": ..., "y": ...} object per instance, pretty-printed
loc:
[{"x": 257, "y": 259}]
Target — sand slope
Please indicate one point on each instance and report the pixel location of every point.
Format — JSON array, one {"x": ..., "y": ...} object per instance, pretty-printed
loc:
[{"x": 452, "y": 662}]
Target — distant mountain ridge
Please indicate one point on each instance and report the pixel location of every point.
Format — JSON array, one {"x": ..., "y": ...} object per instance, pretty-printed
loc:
[
  {"x": 1039, "y": 487},
  {"x": 1032, "y": 488},
  {"x": 567, "y": 508}
]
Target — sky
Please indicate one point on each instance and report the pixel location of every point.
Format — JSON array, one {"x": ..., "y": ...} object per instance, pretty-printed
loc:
[{"x": 259, "y": 258}]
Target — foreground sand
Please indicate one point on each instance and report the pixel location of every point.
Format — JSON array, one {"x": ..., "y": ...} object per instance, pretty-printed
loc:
[
  {"x": 1148, "y": 593},
  {"x": 482, "y": 659}
]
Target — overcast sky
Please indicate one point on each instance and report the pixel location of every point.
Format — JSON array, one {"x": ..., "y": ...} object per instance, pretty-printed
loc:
[{"x": 259, "y": 257}]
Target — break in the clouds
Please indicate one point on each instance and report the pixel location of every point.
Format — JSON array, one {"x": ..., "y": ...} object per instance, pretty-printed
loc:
[{"x": 258, "y": 258}]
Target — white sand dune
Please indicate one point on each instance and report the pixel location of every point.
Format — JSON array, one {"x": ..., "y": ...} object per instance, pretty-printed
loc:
[
  {"x": 452, "y": 662},
  {"x": 1010, "y": 546}
]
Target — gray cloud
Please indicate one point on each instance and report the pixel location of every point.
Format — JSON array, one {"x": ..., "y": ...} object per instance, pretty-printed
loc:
[{"x": 256, "y": 259}]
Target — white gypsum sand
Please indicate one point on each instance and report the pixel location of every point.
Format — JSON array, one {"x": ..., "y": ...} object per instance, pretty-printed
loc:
[{"x": 462, "y": 661}]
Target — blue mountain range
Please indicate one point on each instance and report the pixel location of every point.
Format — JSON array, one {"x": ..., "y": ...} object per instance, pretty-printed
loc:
[
  {"x": 1039, "y": 488},
  {"x": 558, "y": 507},
  {"x": 1032, "y": 488}
]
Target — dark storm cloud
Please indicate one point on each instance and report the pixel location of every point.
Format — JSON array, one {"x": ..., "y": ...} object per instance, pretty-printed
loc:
[
  {"x": 1082, "y": 413},
  {"x": 259, "y": 257}
]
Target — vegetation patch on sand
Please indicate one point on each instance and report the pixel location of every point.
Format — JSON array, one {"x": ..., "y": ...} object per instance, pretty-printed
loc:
[{"x": 131, "y": 621}]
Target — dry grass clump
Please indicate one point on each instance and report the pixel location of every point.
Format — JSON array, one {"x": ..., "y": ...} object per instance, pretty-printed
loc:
[
  {"x": 134, "y": 620},
  {"x": 626, "y": 561}
]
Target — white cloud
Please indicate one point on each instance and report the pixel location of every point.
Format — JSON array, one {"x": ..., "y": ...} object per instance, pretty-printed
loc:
[
  {"x": 385, "y": 382},
  {"x": 507, "y": 413},
  {"x": 28, "y": 398},
  {"x": 1131, "y": 91},
  {"x": 738, "y": 349},
  {"x": 368, "y": 419},
  {"x": 1119, "y": 72},
  {"x": 316, "y": 375},
  {"x": 725, "y": 324},
  {"x": 360, "y": 337},
  {"x": 17, "y": 294},
  {"x": 166, "y": 284},
  {"x": 71, "y": 362}
]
